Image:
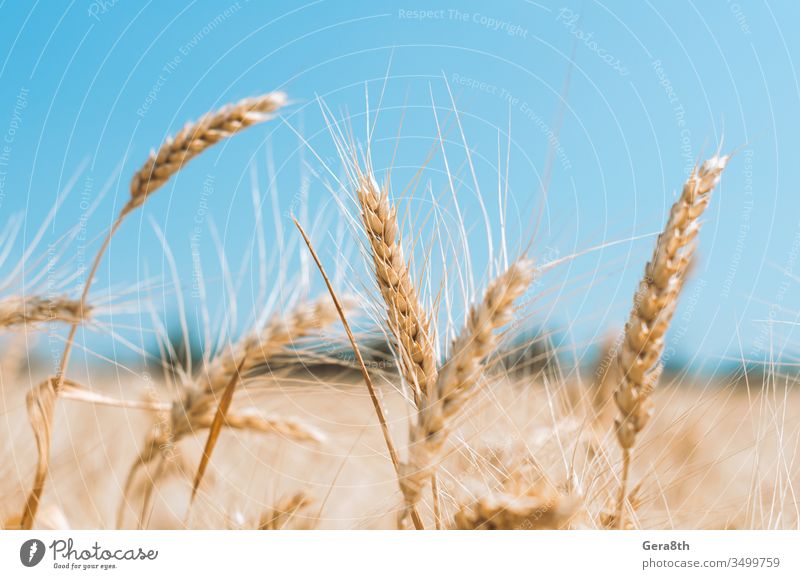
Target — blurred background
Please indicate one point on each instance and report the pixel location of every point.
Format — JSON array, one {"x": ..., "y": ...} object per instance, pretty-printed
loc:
[{"x": 605, "y": 105}]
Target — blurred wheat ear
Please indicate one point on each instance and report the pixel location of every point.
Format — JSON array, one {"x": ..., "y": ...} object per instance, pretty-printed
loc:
[
  {"x": 192, "y": 140},
  {"x": 30, "y": 310},
  {"x": 539, "y": 506},
  {"x": 459, "y": 378},
  {"x": 206, "y": 404}
]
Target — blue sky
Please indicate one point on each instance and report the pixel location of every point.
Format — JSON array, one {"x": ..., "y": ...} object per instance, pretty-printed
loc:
[{"x": 87, "y": 89}]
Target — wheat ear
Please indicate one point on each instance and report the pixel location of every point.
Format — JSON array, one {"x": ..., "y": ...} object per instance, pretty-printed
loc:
[
  {"x": 407, "y": 319},
  {"x": 280, "y": 332},
  {"x": 281, "y": 515},
  {"x": 257, "y": 348},
  {"x": 539, "y": 507},
  {"x": 285, "y": 512},
  {"x": 195, "y": 138},
  {"x": 30, "y": 310},
  {"x": 200, "y": 406},
  {"x": 190, "y": 142},
  {"x": 459, "y": 378},
  {"x": 191, "y": 415},
  {"x": 653, "y": 307}
]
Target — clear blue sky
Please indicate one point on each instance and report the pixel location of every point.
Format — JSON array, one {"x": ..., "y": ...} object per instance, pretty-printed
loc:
[{"x": 87, "y": 88}]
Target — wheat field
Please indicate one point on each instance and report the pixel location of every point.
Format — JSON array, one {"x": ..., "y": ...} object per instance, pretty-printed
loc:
[{"x": 427, "y": 420}]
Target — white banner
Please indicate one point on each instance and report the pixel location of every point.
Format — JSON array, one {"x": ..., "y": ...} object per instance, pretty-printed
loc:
[{"x": 409, "y": 554}]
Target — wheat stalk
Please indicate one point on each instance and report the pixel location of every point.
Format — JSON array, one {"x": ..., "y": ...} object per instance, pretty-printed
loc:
[
  {"x": 30, "y": 310},
  {"x": 459, "y": 378},
  {"x": 40, "y": 405},
  {"x": 604, "y": 384},
  {"x": 653, "y": 307},
  {"x": 160, "y": 166}
]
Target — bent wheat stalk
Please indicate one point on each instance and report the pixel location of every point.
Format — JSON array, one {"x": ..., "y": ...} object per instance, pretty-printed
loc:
[
  {"x": 192, "y": 140},
  {"x": 459, "y": 378},
  {"x": 653, "y": 307}
]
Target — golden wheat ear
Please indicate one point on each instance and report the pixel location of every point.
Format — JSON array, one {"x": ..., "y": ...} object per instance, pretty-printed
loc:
[
  {"x": 541, "y": 506},
  {"x": 263, "y": 345},
  {"x": 258, "y": 348},
  {"x": 653, "y": 306},
  {"x": 195, "y": 138},
  {"x": 284, "y": 513},
  {"x": 32, "y": 310},
  {"x": 459, "y": 378},
  {"x": 407, "y": 319},
  {"x": 157, "y": 170},
  {"x": 207, "y": 404}
]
